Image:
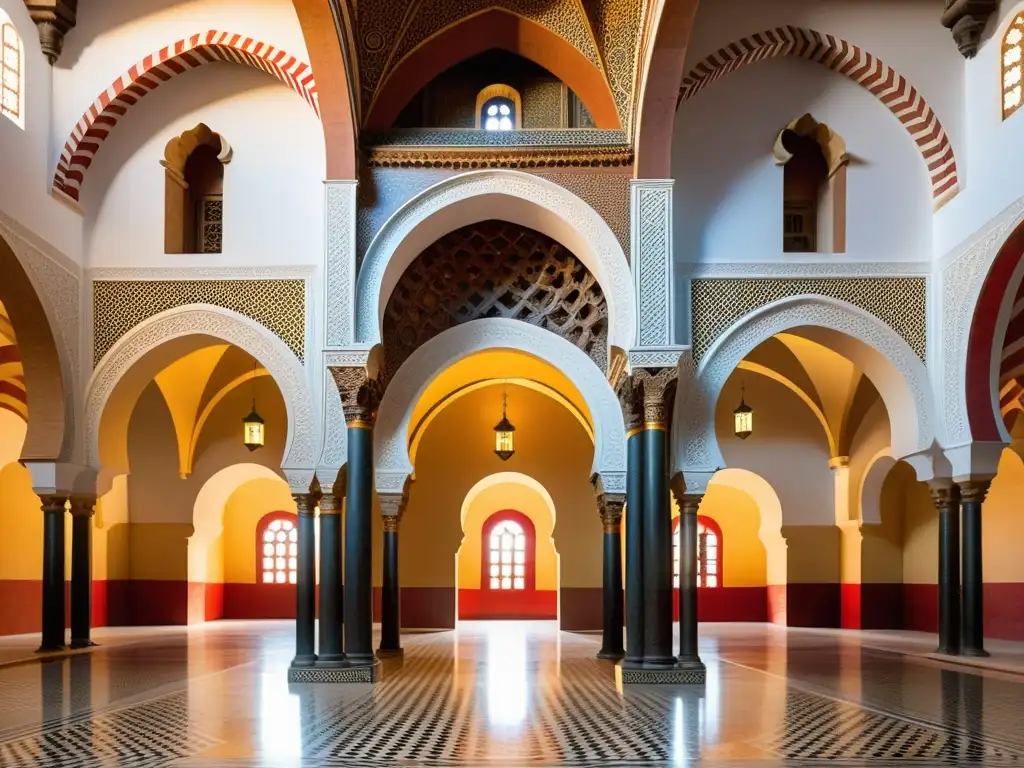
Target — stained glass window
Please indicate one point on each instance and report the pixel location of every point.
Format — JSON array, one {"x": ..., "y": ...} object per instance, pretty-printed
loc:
[
  {"x": 1011, "y": 64},
  {"x": 277, "y": 543}
]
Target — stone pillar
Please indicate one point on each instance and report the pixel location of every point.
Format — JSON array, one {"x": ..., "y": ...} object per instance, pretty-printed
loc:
[
  {"x": 305, "y": 609},
  {"x": 651, "y": 247},
  {"x": 82, "y": 510},
  {"x": 392, "y": 508},
  {"x": 360, "y": 396},
  {"x": 632, "y": 411},
  {"x": 331, "y": 653},
  {"x": 658, "y": 388},
  {"x": 946, "y": 497},
  {"x": 53, "y": 573},
  {"x": 609, "y": 506},
  {"x": 689, "y": 655},
  {"x": 972, "y": 495}
]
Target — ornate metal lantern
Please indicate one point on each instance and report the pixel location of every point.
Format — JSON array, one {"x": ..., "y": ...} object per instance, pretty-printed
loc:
[
  {"x": 504, "y": 433},
  {"x": 743, "y": 419},
  {"x": 255, "y": 429}
]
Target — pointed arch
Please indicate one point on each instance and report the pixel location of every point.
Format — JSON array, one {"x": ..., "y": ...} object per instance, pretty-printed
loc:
[
  {"x": 864, "y": 68},
  {"x": 93, "y": 128}
]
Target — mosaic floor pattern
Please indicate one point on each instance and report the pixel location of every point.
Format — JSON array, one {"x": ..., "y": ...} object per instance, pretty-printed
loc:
[{"x": 503, "y": 694}]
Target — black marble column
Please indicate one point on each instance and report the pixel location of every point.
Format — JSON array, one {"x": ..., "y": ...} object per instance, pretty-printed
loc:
[
  {"x": 657, "y": 525},
  {"x": 635, "y": 547},
  {"x": 305, "y": 608},
  {"x": 82, "y": 511},
  {"x": 946, "y": 497},
  {"x": 610, "y": 507},
  {"x": 331, "y": 654},
  {"x": 358, "y": 541},
  {"x": 972, "y": 494},
  {"x": 390, "y": 600},
  {"x": 689, "y": 655},
  {"x": 53, "y": 573}
]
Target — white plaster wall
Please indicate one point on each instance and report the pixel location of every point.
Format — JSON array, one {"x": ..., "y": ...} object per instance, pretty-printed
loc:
[
  {"x": 992, "y": 165},
  {"x": 25, "y": 167},
  {"x": 728, "y": 193},
  {"x": 273, "y": 191},
  {"x": 113, "y": 35}
]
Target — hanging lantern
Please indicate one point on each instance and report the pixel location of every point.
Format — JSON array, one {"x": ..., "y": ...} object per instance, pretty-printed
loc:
[
  {"x": 254, "y": 427},
  {"x": 504, "y": 433},
  {"x": 743, "y": 419}
]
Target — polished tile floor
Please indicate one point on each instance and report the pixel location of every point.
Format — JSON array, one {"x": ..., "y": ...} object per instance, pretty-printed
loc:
[{"x": 504, "y": 693}]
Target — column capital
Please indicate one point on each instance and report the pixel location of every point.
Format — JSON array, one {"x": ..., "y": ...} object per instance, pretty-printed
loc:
[
  {"x": 945, "y": 493},
  {"x": 393, "y": 505},
  {"x": 304, "y": 504},
  {"x": 51, "y": 502},
  {"x": 658, "y": 388},
  {"x": 973, "y": 490},
  {"x": 360, "y": 396},
  {"x": 83, "y": 506},
  {"x": 609, "y": 505},
  {"x": 839, "y": 462},
  {"x": 631, "y": 404},
  {"x": 329, "y": 505}
]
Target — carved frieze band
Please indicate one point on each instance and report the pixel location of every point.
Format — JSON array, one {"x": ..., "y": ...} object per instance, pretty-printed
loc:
[
  {"x": 900, "y": 302},
  {"x": 651, "y": 225}
]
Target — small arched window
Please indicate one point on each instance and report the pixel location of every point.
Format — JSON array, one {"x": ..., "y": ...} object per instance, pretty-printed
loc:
[
  {"x": 709, "y": 553},
  {"x": 498, "y": 108},
  {"x": 12, "y": 72},
  {"x": 194, "y": 191},
  {"x": 509, "y": 552},
  {"x": 277, "y": 549},
  {"x": 1012, "y": 50}
]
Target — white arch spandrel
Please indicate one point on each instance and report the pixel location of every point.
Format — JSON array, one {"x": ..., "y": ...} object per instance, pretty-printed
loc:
[
  {"x": 514, "y": 196},
  {"x": 871, "y": 484},
  {"x": 391, "y": 449},
  {"x": 226, "y": 325},
  {"x": 885, "y": 357},
  {"x": 498, "y": 478}
]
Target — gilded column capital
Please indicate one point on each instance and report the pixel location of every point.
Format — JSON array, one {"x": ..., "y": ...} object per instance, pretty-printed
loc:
[
  {"x": 688, "y": 502},
  {"x": 632, "y": 406},
  {"x": 329, "y": 505},
  {"x": 658, "y": 388},
  {"x": 51, "y": 502},
  {"x": 973, "y": 491},
  {"x": 393, "y": 505},
  {"x": 360, "y": 396},
  {"x": 610, "y": 506},
  {"x": 945, "y": 494},
  {"x": 83, "y": 506}
]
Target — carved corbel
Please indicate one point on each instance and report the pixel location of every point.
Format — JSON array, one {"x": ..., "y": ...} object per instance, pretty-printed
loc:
[
  {"x": 631, "y": 404},
  {"x": 967, "y": 20},
  {"x": 54, "y": 19},
  {"x": 360, "y": 395},
  {"x": 609, "y": 505}
]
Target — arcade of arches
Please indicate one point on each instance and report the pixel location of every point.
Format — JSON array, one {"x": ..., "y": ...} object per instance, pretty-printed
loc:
[{"x": 636, "y": 326}]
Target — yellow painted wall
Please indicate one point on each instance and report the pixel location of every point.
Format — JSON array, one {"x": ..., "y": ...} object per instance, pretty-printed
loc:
[
  {"x": 1003, "y": 522},
  {"x": 920, "y": 534},
  {"x": 21, "y": 521},
  {"x": 457, "y": 452},
  {"x": 882, "y": 546},
  {"x": 812, "y": 554},
  {"x": 242, "y": 514},
  {"x": 159, "y": 551},
  {"x": 495, "y": 499},
  {"x": 744, "y": 559}
]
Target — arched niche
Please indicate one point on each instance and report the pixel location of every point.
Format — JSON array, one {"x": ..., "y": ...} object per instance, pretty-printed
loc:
[{"x": 194, "y": 190}]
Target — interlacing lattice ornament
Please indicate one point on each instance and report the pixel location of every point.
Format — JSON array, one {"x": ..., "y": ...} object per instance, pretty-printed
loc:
[
  {"x": 495, "y": 269},
  {"x": 120, "y": 305},
  {"x": 900, "y": 302}
]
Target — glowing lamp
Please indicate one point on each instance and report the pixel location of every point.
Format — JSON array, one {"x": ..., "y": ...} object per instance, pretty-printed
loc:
[
  {"x": 743, "y": 419},
  {"x": 504, "y": 434},
  {"x": 254, "y": 429}
]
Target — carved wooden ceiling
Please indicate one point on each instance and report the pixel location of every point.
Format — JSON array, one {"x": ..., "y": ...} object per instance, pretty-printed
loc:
[{"x": 381, "y": 33}]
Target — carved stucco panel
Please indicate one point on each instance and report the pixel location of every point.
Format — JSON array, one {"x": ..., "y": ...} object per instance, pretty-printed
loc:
[
  {"x": 652, "y": 257},
  {"x": 339, "y": 261}
]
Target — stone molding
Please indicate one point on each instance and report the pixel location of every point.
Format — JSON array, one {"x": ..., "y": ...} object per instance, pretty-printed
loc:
[
  {"x": 593, "y": 242},
  {"x": 743, "y": 269},
  {"x": 695, "y": 442},
  {"x": 469, "y": 158},
  {"x": 232, "y": 327},
  {"x": 391, "y": 445}
]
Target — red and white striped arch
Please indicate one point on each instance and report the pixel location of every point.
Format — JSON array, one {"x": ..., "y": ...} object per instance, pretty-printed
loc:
[
  {"x": 888, "y": 85},
  {"x": 148, "y": 74},
  {"x": 1011, "y": 365}
]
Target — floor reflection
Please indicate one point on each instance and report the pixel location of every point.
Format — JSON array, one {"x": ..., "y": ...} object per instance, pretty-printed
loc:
[{"x": 506, "y": 693}]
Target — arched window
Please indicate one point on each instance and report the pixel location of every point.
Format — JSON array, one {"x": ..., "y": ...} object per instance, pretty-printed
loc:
[
  {"x": 709, "y": 553},
  {"x": 498, "y": 108},
  {"x": 194, "y": 191},
  {"x": 12, "y": 72},
  {"x": 509, "y": 552},
  {"x": 277, "y": 549},
  {"x": 1012, "y": 66}
]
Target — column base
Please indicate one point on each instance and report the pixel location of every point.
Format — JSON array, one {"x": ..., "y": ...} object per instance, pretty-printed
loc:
[
  {"x": 390, "y": 653},
  {"x": 977, "y": 653},
  {"x": 355, "y": 673},
  {"x": 81, "y": 643},
  {"x": 304, "y": 661},
  {"x": 688, "y": 673},
  {"x": 330, "y": 661},
  {"x": 613, "y": 655},
  {"x": 47, "y": 648},
  {"x": 947, "y": 650}
]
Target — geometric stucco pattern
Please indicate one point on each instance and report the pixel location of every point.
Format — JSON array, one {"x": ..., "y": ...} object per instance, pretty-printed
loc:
[
  {"x": 899, "y": 302},
  {"x": 120, "y": 305}
]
